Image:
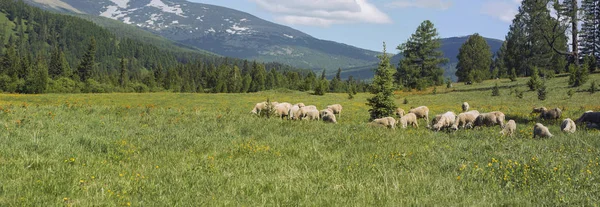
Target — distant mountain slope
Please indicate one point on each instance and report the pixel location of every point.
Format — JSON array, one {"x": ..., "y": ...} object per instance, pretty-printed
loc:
[
  {"x": 223, "y": 31},
  {"x": 450, "y": 47}
]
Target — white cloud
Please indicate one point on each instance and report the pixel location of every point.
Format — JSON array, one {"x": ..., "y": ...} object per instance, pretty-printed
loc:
[
  {"x": 426, "y": 4},
  {"x": 503, "y": 10},
  {"x": 324, "y": 13}
]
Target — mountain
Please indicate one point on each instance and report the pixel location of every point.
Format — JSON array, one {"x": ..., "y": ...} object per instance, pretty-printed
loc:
[
  {"x": 450, "y": 47},
  {"x": 222, "y": 31}
]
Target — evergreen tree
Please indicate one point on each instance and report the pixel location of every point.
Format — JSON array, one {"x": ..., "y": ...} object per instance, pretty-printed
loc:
[
  {"x": 259, "y": 75},
  {"x": 322, "y": 85},
  {"x": 382, "y": 103},
  {"x": 474, "y": 59},
  {"x": 37, "y": 80},
  {"x": 420, "y": 66},
  {"x": 123, "y": 76},
  {"x": 534, "y": 82},
  {"x": 88, "y": 62},
  {"x": 336, "y": 85},
  {"x": 59, "y": 67},
  {"x": 246, "y": 83},
  {"x": 234, "y": 82}
]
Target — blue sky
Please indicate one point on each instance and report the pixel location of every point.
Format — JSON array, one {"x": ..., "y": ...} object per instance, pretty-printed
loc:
[{"x": 367, "y": 23}]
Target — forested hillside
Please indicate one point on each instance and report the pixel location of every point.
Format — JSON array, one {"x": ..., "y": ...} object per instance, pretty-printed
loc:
[{"x": 47, "y": 52}]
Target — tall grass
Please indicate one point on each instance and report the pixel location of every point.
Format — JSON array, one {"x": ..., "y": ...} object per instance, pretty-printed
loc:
[{"x": 207, "y": 149}]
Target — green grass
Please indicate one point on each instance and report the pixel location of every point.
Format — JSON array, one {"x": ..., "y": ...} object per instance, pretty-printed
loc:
[{"x": 168, "y": 149}]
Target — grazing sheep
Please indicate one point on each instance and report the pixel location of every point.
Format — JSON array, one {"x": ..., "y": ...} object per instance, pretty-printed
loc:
[
  {"x": 466, "y": 119},
  {"x": 328, "y": 117},
  {"x": 310, "y": 114},
  {"x": 259, "y": 107},
  {"x": 302, "y": 112},
  {"x": 294, "y": 112},
  {"x": 434, "y": 120},
  {"x": 590, "y": 118},
  {"x": 541, "y": 131},
  {"x": 539, "y": 110},
  {"x": 488, "y": 119},
  {"x": 500, "y": 117},
  {"x": 336, "y": 108},
  {"x": 407, "y": 119},
  {"x": 550, "y": 114},
  {"x": 568, "y": 125},
  {"x": 388, "y": 122},
  {"x": 325, "y": 112},
  {"x": 446, "y": 120},
  {"x": 399, "y": 112},
  {"x": 300, "y": 105},
  {"x": 465, "y": 106},
  {"x": 509, "y": 128},
  {"x": 283, "y": 109},
  {"x": 310, "y": 107},
  {"x": 421, "y": 112}
]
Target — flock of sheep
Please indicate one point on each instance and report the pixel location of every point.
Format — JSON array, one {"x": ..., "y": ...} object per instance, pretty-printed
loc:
[{"x": 449, "y": 120}]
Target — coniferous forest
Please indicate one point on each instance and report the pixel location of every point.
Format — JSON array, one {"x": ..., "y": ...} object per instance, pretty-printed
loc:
[{"x": 44, "y": 52}]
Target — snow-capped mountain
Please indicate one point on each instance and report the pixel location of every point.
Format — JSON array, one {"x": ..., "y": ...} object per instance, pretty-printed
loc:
[{"x": 222, "y": 30}]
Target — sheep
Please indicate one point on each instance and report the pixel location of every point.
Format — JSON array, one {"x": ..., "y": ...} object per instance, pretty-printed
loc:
[
  {"x": 465, "y": 106},
  {"x": 421, "y": 112},
  {"x": 283, "y": 109},
  {"x": 328, "y": 116},
  {"x": 310, "y": 114},
  {"x": 325, "y": 112},
  {"x": 388, "y": 122},
  {"x": 259, "y": 107},
  {"x": 300, "y": 105},
  {"x": 500, "y": 117},
  {"x": 592, "y": 118},
  {"x": 541, "y": 131},
  {"x": 489, "y": 119},
  {"x": 446, "y": 120},
  {"x": 407, "y": 119},
  {"x": 399, "y": 112},
  {"x": 550, "y": 114},
  {"x": 294, "y": 112},
  {"x": 509, "y": 128},
  {"x": 336, "y": 108},
  {"x": 302, "y": 112},
  {"x": 466, "y": 119},
  {"x": 568, "y": 125},
  {"x": 539, "y": 110}
]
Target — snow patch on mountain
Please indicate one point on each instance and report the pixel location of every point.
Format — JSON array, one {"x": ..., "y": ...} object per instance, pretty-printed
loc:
[
  {"x": 288, "y": 36},
  {"x": 121, "y": 3},
  {"x": 166, "y": 8}
]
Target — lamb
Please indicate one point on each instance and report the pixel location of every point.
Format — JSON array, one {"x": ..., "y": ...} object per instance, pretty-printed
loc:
[
  {"x": 500, "y": 117},
  {"x": 592, "y": 118},
  {"x": 407, "y": 119},
  {"x": 399, "y": 112},
  {"x": 509, "y": 128},
  {"x": 489, "y": 119},
  {"x": 466, "y": 119},
  {"x": 336, "y": 108},
  {"x": 446, "y": 120},
  {"x": 300, "y": 105},
  {"x": 259, "y": 107},
  {"x": 541, "y": 131},
  {"x": 539, "y": 110},
  {"x": 568, "y": 125},
  {"x": 465, "y": 106},
  {"x": 325, "y": 112},
  {"x": 421, "y": 112},
  {"x": 388, "y": 122}
]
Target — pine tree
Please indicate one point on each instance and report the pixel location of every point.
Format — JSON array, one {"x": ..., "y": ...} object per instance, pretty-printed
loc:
[
  {"x": 234, "y": 82},
  {"x": 336, "y": 85},
  {"x": 259, "y": 74},
  {"x": 59, "y": 67},
  {"x": 37, "y": 80},
  {"x": 322, "y": 85},
  {"x": 534, "y": 81},
  {"x": 123, "y": 76},
  {"x": 474, "y": 59},
  {"x": 88, "y": 62},
  {"x": 382, "y": 103},
  {"x": 420, "y": 66}
]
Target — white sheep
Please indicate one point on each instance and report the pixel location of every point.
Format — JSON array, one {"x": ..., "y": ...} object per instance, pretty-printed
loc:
[
  {"x": 489, "y": 119},
  {"x": 446, "y": 120},
  {"x": 388, "y": 122},
  {"x": 328, "y": 116},
  {"x": 310, "y": 114},
  {"x": 399, "y": 112},
  {"x": 336, "y": 108},
  {"x": 407, "y": 119},
  {"x": 568, "y": 125},
  {"x": 465, "y": 106},
  {"x": 541, "y": 131},
  {"x": 509, "y": 128},
  {"x": 421, "y": 112},
  {"x": 465, "y": 120},
  {"x": 294, "y": 112}
]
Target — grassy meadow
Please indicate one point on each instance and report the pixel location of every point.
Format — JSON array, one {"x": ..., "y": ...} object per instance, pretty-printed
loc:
[{"x": 166, "y": 149}]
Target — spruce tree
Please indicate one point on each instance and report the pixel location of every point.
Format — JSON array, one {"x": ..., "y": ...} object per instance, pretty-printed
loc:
[
  {"x": 59, "y": 67},
  {"x": 259, "y": 74},
  {"x": 87, "y": 65},
  {"x": 474, "y": 59},
  {"x": 420, "y": 66},
  {"x": 382, "y": 103},
  {"x": 123, "y": 76}
]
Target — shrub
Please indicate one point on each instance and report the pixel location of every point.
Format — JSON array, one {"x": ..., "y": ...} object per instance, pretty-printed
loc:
[
  {"x": 593, "y": 87},
  {"x": 570, "y": 93},
  {"x": 534, "y": 82},
  {"x": 496, "y": 90},
  {"x": 64, "y": 85},
  {"x": 405, "y": 101},
  {"x": 542, "y": 92},
  {"x": 270, "y": 111},
  {"x": 578, "y": 76}
]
